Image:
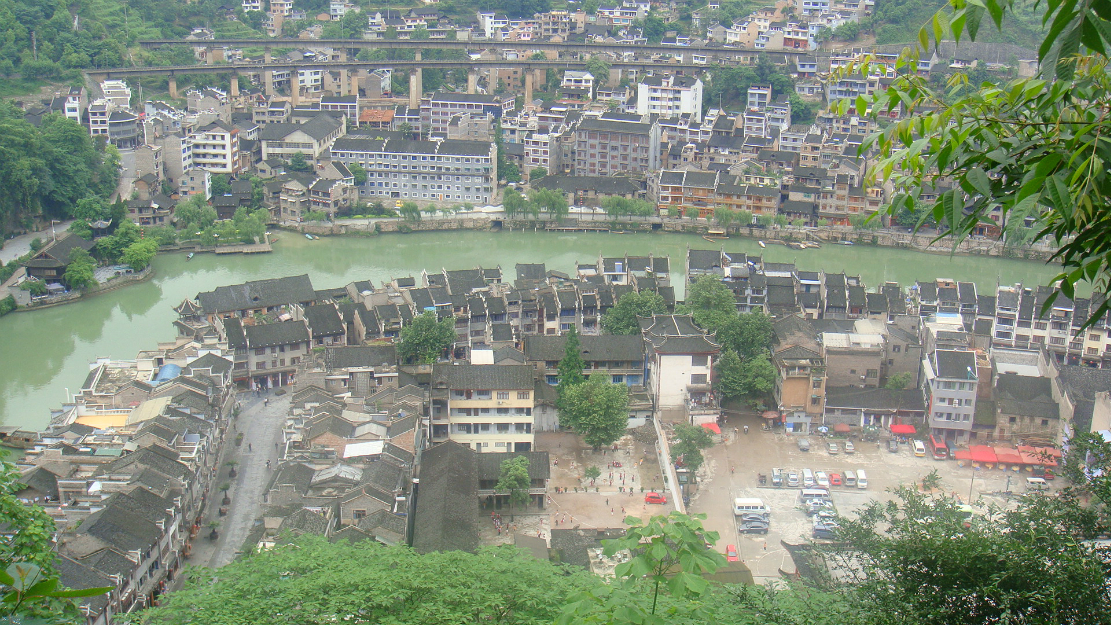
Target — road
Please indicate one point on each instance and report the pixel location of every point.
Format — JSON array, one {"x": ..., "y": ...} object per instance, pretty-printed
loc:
[
  {"x": 261, "y": 425},
  {"x": 20, "y": 245}
]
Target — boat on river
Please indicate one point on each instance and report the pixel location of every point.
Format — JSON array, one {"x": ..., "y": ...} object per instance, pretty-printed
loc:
[
  {"x": 309, "y": 236},
  {"x": 189, "y": 256},
  {"x": 761, "y": 243}
]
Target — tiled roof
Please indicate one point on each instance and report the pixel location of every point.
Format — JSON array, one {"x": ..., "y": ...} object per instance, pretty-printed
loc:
[
  {"x": 483, "y": 377},
  {"x": 258, "y": 294}
]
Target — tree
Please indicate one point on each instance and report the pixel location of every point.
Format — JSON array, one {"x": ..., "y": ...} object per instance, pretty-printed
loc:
[
  {"x": 221, "y": 184},
  {"x": 724, "y": 216},
  {"x": 35, "y": 287},
  {"x": 358, "y": 173},
  {"x": 513, "y": 480},
  {"x": 1034, "y": 144},
  {"x": 314, "y": 580},
  {"x": 80, "y": 271},
  {"x": 551, "y": 201},
  {"x": 898, "y": 381},
  {"x": 592, "y": 472},
  {"x": 758, "y": 375},
  {"x": 513, "y": 203},
  {"x": 138, "y": 255},
  {"x": 729, "y": 379},
  {"x": 597, "y": 410},
  {"x": 622, "y": 317},
  {"x": 425, "y": 339},
  {"x": 600, "y": 69},
  {"x": 298, "y": 162},
  {"x": 537, "y": 173},
  {"x": 667, "y": 552},
  {"x": 410, "y": 212},
  {"x": 749, "y": 334},
  {"x": 710, "y": 302},
  {"x": 691, "y": 440},
  {"x": 405, "y": 128},
  {"x": 571, "y": 365},
  {"x": 918, "y": 559},
  {"x": 195, "y": 214}
]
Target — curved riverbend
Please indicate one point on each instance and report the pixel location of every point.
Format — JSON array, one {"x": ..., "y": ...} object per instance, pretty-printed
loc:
[{"x": 42, "y": 353}]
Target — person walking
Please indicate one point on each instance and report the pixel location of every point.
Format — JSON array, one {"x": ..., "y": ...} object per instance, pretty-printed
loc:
[
  {"x": 747, "y": 430},
  {"x": 248, "y": 446}
]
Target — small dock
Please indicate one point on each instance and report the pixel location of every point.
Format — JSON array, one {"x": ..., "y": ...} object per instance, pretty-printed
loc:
[{"x": 250, "y": 248}]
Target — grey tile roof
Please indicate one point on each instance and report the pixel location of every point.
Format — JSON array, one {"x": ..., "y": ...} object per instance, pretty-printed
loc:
[
  {"x": 955, "y": 364},
  {"x": 447, "y": 500},
  {"x": 274, "y": 334},
  {"x": 368, "y": 356},
  {"x": 593, "y": 348},
  {"x": 483, "y": 377},
  {"x": 324, "y": 320},
  {"x": 258, "y": 294},
  {"x": 874, "y": 398},
  {"x": 490, "y": 464},
  {"x": 1025, "y": 396}
]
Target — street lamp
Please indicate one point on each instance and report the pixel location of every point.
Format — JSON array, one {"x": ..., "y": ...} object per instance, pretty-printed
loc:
[{"x": 52, "y": 233}]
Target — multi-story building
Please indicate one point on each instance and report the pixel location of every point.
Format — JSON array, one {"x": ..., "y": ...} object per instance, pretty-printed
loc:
[
  {"x": 615, "y": 144},
  {"x": 679, "y": 361},
  {"x": 216, "y": 148},
  {"x": 486, "y": 407},
  {"x": 281, "y": 7},
  {"x": 440, "y": 170},
  {"x": 117, "y": 92},
  {"x": 579, "y": 79},
  {"x": 311, "y": 138},
  {"x": 331, "y": 196},
  {"x": 758, "y": 97},
  {"x": 437, "y": 114},
  {"x": 670, "y": 96},
  {"x": 800, "y": 387},
  {"x": 707, "y": 190},
  {"x": 950, "y": 392}
]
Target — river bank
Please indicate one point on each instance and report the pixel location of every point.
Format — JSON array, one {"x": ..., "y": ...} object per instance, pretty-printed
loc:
[{"x": 44, "y": 353}]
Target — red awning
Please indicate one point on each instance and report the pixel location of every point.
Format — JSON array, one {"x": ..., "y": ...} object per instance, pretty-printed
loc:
[
  {"x": 770, "y": 414},
  {"x": 982, "y": 453},
  {"x": 1041, "y": 451},
  {"x": 1008, "y": 456},
  {"x": 902, "y": 428},
  {"x": 962, "y": 454},
  {"x": 841, "y": 427},
  {"x": 713, "y": 427}
]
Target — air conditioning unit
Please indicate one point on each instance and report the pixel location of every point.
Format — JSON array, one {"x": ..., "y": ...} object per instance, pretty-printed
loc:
[{"x": 500, "y": 403}]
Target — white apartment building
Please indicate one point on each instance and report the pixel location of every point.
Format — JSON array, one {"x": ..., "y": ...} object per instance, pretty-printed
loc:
[
  {"x": 281, "y": 7},
  {"x": 950, "y": 393},
  {"x": 758, "y": 97},
  {"x": 311, "y": 80},
  {"x": 216, "y": 148},
  {"x": 440, "y": 170},
  {"x": 117, "y": 92},
  {"x": 489, "y": 408},
  {"x": 670, "y": 96},
  {"x": 252, "y": 5},
  {"x": 576, "y": 79}
]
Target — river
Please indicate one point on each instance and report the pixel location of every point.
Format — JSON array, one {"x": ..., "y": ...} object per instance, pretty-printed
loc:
[{"x": 44, "y": 354}]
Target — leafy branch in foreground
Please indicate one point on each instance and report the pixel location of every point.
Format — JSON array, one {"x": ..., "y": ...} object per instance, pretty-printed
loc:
[{"x": 1034, "y": 147}]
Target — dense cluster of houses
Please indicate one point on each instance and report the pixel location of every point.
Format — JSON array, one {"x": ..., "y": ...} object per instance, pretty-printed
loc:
[{"x": 127, "y": 468}]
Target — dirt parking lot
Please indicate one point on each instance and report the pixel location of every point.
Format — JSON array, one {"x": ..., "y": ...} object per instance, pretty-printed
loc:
[{"x": 759, "y": 451}]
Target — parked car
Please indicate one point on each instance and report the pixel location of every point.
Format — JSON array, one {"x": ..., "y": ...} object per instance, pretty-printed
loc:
[
  {"x": 793, "y": 478},
  {"x": 893, "y": 445},
  {"x": 753, "y": 527},
  {"x": 815, "y": 506},
  {"x": 849, "y": 447},
  {"x": 731, "y": 553},
  {"x": 754, "y": 516},
  {"x": 821, "y": 479},
  {"x": 832, "y": 447},
  {"x": 835, "y": 479},
  {"x": 804, "y": 444},
  {"x": 823, "y": 530},
  {"x": 655, "y": 498}
]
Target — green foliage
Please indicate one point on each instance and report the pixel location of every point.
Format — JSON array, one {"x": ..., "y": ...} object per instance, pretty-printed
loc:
[
  {"x": 513, "y": 480},
  {"x": 425, "y": 339},
  {"x": 917, "y": 560},
  {"x": 749, "y": 334},
  {"x": 51, "y": 168},
  {"x": 314, "y": 215},
  {"x": 80, "y": 271},
  {"x": 622, "y": 317},
  {"x": 668, "y": 553},
  {"x": 513, "y": 203},
  {"x": 898, "y": 381},
  {"x": 710, "y": 303},
  {"x": 35, "y": 287},
  {"x": 410, "y": 212},
  {"x": 299, "y": 163},
  {"x": 537, "y": 173},
  {"x": 164, "y": 235},
  {"x": 111, "y": 247},
  {"x": 316, "y": 581},
  {"x": 139, "y": 255},
  {"x": 754, "y": 376},
  {"x": 597, "y": 410},
  {"x": 358, "y": 173},
  {"x": 221, "y": 184},
  {"x": 592, "y": 472},
  {"x": 627, "y": 207},
  {"x": 7, "y": 305},
  {"x": 194, "y": 214},
  {"x": 1033, "y": 146},
  {"x": 571, "y": 365},
  {"x": 81, "y": 228},
  {"x": 550, "y": 201},
  {"x": 600, "y": 69},
  {"x": 690, "y": 442}
]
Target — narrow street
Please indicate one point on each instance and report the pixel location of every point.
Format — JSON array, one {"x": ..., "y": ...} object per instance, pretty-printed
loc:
[{"x": 261, "y": 425}]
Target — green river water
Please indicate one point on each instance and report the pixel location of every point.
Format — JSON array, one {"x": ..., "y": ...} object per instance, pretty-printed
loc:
[{"x": 44, "y": 353}]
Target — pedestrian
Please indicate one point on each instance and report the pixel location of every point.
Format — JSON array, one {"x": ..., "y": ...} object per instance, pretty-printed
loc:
[
  {"x": 735, "y": 431},
  {"x": 266, "y": 401},
  {"x": 747, "y": 430},
  {"x": 608, "y": 501},
  {"x": 268, "y": 465},
  {"x": 611, "y": 512},
  {"x": 766, "y": 545},
  {"x": 623, "y": 509},
  {"x": 248, "y": 446}
]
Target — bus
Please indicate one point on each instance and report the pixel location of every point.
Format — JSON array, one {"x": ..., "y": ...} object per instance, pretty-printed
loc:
[{"x": 938, "y": 448}]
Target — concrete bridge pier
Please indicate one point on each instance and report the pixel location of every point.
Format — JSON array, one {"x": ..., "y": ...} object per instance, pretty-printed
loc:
[
  {"x": 233, "y": 85},
  {"x": 344, "y": 80},
  {"x": 354, "y": 80},
  {"x": 268, "y": 83},
  {"x": 472, "y": 81},
  {"x": 415, "y": 89},
  {"x": 295, "y": 90},
  {"x": 173, "y": 84}
]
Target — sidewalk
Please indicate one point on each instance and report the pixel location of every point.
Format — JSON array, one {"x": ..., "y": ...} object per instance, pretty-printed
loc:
[{"x": 262, "y": 427}]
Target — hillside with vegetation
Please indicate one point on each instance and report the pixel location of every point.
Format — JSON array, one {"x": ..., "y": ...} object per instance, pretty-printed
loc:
[{"x": 899, "y": 21}]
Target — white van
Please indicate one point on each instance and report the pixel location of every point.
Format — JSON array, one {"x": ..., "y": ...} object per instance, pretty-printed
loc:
[
  {"x": 749, "y": 505},
  {"x": 1037, "y": 484},
  {"x": 919, "y": 447},
  {"x": 862, "y": 481},
  {"x": 808, "y": 478},
  {"x": 811, "y": 494},
  {"x": 850, "y": 479}
]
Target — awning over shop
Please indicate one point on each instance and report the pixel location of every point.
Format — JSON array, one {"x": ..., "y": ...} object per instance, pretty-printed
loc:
[
  {"x": 841, "y": 427},
  {"x": 962, "y": 454},
  {"x": 770, "y": 414},
  {"x": 902, "y": 428},
  {"x": 713, "y": 427},
  {"x": 1008, "y": 456},
  {"x": 982, "y": 453}
]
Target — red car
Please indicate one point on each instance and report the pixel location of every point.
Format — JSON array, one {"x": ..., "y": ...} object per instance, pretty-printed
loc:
[
  {"x": 835, "y": 479},
  {"x": 731, "y": 553},
  {"x": 655, "y": 498}
]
